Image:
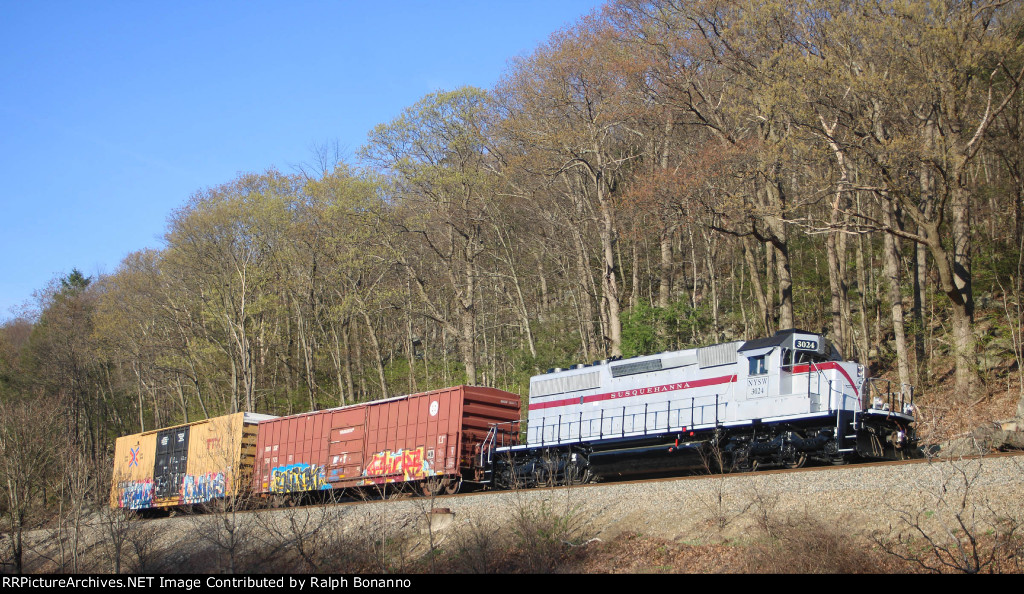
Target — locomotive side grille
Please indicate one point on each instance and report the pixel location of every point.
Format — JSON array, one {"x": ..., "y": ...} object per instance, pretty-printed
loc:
[
  {"x": 638, "y": 367},
  {"x": 679, "y": 360},
  {"x": 561, "y": 385},
  {"x": 719, "y": 354}
]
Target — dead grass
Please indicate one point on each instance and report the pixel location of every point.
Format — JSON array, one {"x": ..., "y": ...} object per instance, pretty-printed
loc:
[
  {"x": 808, "y": 545},
  {"x": 941, "y": 416},
  {"x": 634, "y": 553},
  {"x": 1007, "y": 555}
]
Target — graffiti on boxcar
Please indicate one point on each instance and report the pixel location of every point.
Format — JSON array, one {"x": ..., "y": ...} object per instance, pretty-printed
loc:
[
  {"x": 134, "y": 455},
  {"x": 297, "y": 477},
  {"x": 410, "y": 464},
  {"x": 203, "y": 487},
  {"x": 136, "y": 494}
]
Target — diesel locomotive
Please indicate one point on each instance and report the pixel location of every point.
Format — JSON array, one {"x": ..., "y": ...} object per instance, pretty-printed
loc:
[{"x": 772, "y": 402}]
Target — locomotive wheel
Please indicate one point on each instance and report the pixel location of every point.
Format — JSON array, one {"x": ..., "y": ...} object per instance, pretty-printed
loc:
[
  {"x": 506, "y": 479},
  {"x": 799, "y": 462},
  {"x": 749, "y": 465}
]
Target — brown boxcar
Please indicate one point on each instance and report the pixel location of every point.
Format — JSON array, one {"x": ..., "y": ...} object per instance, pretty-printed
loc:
[
  {"x": 185, "y": 464},
  {"x": 408, "y": 438}
]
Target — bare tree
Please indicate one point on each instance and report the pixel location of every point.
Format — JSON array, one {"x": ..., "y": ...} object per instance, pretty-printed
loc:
[
  {"x": 226, "y": 523},
  {"x": 722, "y": 506},
  {"x": 31, "y": 433},
  {"x": 479, "y": 543},
  {"x": 383, "y": 532},
  {"x": 959, "y": 528},
  {"x": 118, "y": 525},
  {"x": 297, "y": 539}
]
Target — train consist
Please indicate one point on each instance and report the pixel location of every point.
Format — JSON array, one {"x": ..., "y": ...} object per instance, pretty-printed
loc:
[{"x": 774, "y": 402}]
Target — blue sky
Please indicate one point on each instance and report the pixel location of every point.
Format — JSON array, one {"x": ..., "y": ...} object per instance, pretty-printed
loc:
[{"x": 113, "y": 113}]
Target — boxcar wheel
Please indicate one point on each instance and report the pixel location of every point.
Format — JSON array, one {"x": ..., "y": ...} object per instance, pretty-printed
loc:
[
  {"x": 452, "y": 486},
  {"x": 434, "y": 486}
]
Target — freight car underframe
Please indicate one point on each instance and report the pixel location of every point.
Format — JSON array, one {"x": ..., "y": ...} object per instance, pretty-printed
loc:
[{"x": 835, "y": 437}]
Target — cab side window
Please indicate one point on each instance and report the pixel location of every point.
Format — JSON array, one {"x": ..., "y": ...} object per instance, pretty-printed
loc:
[
  {"x": 806, "y": 357},
  {"x": 758, "y": 365}
]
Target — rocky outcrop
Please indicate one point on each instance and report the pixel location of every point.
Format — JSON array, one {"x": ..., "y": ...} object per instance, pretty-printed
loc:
[
  {"x": 1002, "y": 436},
  {"x": 999, "y": 436}
]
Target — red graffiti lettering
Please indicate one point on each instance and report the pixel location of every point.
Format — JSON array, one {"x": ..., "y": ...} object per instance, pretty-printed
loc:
[{"x": 406, "y": 464}]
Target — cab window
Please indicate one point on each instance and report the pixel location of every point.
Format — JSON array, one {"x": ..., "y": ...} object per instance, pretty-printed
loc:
[
  {"x": 758, "y": 365},
  {"x": 805, "y": 357}
]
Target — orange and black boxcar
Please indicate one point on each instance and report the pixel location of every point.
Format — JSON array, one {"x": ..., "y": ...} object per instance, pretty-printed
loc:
[{"x": 186, "y": 464}]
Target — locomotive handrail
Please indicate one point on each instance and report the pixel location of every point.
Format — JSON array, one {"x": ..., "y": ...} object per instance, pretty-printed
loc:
[
  {"x": 889, "y": 399},
  {"x": 638, "y": 419}
]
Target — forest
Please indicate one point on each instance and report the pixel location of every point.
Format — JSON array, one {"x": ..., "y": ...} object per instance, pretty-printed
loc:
[{"x": 659, "y": 175}]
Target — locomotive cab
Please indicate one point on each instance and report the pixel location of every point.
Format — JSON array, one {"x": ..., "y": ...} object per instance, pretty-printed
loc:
[
  {"x": 797, "y": 372},
  {"x": 801, "y": 375}
]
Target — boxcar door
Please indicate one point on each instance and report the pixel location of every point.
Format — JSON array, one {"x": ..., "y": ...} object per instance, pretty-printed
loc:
[
  {"x": 345, "y": 454},
  {"x": 171, "y": 462}
]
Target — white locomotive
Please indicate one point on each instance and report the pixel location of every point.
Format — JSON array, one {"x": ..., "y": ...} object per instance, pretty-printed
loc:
[{"x": 777, "y": 401}]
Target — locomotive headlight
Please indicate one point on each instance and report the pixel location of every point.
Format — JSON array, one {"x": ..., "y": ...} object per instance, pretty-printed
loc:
[{"x": 860, "y": 371}]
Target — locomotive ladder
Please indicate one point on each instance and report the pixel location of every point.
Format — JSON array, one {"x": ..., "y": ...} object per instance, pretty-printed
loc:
[{"x": 840, "y": 433}]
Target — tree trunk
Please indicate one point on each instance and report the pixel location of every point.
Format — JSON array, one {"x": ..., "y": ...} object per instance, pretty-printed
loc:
[
  {"x": 665, "y": 270},
  {"x": 770, "y": 286},
  {"x": 377, "y": 358},
  {"x": 780, "y": 241},
  {"x": 863, "y": 342},
  {"x": 544, "y": 305},
  {"x": 963, "y": 318},
  {"x": 610, "y": 283},
  {"x": 892, "y": 272},
  {"x": 467, "y": 317},
  {"x": 587, "y": 294},
  {"x": 836, "y": 282},
  {"x": 755, "y": 281}
]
